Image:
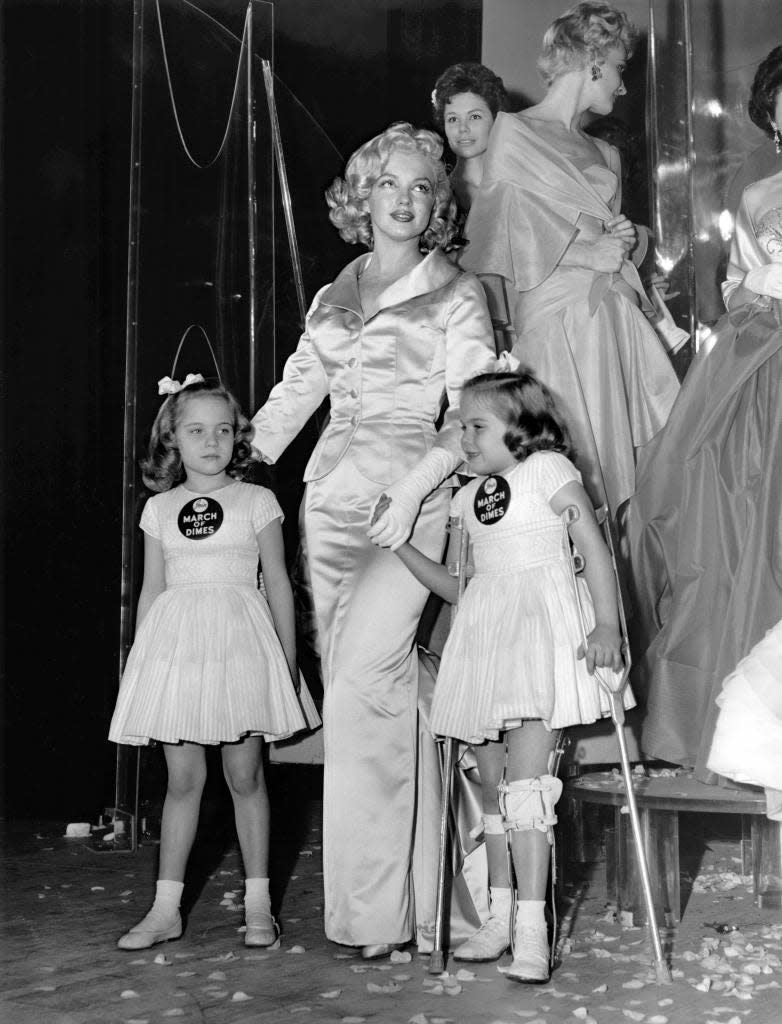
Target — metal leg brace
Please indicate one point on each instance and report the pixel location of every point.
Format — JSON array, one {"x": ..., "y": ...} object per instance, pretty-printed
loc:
[{"x": 527, "y": 805}]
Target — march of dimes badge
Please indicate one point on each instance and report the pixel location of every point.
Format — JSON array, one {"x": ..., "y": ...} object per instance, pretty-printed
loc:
[
  {"x": 491, "y": 500},
  {"x": 200, "y": 518}
]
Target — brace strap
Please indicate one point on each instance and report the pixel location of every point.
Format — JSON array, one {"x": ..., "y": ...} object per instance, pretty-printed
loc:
[
  {"x": 490, "y": 825},
  {"x": 523, "y": 812}
]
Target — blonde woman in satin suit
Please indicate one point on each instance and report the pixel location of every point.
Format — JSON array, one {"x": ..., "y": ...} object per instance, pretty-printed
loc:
[{"x": 390, "y": 340}]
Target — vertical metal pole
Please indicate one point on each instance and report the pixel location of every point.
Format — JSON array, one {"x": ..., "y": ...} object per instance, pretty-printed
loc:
[
  {"x": 691, "y": 280},
  {"x": 652, "y": 131},
  {"x": 251, "y": 209},
  {"x": 285, "y": 192},
  {"x": 127, "y": 774}
]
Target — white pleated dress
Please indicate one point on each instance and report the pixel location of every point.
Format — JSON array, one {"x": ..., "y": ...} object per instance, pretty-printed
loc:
[
  {"x": 207, "y": 665},
  {"x": 511, "y": 653}
]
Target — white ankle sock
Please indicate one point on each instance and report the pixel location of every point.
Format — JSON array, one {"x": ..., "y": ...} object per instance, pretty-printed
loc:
[
  {"x": 168, "y": 895},
  {"x": 499, "y": 902},
  {"x": 532, "y": 912},
  {"x": 256, "y": 895},
  {"x": 256, "y": 887}
]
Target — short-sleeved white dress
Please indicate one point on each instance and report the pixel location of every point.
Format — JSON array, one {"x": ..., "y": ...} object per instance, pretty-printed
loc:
[
  {"x": 511, "y": 654},
  {"x": 207, "y": 665}
]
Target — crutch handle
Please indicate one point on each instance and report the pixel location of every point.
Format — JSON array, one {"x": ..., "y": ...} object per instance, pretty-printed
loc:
[
  {"x": 615, "y": 697},
  {"x": 570, "y": 515}
]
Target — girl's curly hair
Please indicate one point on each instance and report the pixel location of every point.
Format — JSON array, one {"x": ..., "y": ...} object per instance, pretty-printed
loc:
[
  {"x": 162, "y": 468},
  {"x": 583, "y": 34},
  {"x": 526, "y": 405},
  {"x": 348, "y": 197},
  {"x": 468, "y": 76},
  {"x": 766, "y": 87}
]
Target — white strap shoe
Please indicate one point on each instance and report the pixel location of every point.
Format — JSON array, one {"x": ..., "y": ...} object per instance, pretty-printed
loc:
[
  {"x": 261, "y": 930},
  {"x": 489, "y": 943},
  {"x": 157, "y": 926},
  {"x": 531, "y": 953}
]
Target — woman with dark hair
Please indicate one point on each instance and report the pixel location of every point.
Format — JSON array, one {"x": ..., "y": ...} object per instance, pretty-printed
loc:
[
  {"x": 764, "y": 100},
  {"x": 705, "y": 529},
  {"x": 466, "y": 100},
  {"x": 393, "y": 337},
  {"x": 547, "y": 221}
]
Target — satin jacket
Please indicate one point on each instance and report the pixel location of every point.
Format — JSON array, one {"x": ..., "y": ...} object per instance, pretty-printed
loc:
[{"x": 387, "y": 376}]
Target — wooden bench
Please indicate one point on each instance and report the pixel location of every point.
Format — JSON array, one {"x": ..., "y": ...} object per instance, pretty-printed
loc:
[{"x": 660, "y": 799}]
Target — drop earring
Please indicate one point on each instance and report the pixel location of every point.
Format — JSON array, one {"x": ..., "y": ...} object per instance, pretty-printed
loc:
[
  {"x": 596, "y": 72},
  {"x": 777, "y": 137}
]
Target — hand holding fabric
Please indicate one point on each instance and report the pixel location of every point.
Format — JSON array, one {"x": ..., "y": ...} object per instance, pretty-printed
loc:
[
  {"x": 622, "y": 228},
  {"x": 766, "y": 280},
  {"x": 396, "y": 509},
  {"x": 604, "y": 256}
]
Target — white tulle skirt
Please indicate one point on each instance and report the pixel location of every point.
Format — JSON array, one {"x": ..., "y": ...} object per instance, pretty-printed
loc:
[{"x": 747, "y": 744}]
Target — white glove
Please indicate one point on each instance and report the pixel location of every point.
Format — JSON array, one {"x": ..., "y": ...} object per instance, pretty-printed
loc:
[
  {"x": 766, "y": 280},
  {"x": 392, "y": 523}
]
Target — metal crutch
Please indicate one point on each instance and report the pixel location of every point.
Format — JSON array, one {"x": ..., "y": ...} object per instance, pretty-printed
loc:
[
  {"x": 615, "y": 698},
  {"x": 458, "y": 542}
]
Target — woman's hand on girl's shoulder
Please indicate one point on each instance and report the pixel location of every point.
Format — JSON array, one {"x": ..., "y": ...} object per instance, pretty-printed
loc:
[{"x": 603, "y": 649}]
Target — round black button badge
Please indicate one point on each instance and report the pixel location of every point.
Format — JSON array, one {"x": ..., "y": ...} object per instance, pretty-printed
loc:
[
  {"x": 491, "y": 500},
  {"x": 200, "y": 518}
]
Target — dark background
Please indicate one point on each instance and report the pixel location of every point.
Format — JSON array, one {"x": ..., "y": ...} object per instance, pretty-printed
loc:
[{"x": 356, "y": 66}]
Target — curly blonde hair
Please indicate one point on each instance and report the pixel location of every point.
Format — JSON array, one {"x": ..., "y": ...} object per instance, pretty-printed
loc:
[
  {"x": 348, "y": 197},
  {"x": 583, "y": 34},
  {"x": 162, "y": 468}
]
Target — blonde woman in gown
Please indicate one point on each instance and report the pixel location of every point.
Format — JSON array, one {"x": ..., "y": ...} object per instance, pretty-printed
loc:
[
  {"x": 390, "y": 340},
  {"x": 547, "y": 220}
]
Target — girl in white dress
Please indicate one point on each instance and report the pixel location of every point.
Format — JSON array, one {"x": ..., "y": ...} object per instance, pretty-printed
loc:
[
  {"x": 514, "y": 668},
  {"x": 213, "y": 662}
]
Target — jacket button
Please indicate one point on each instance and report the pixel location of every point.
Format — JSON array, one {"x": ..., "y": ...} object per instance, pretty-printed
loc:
[
  {"x": 353, "y": 393},
  {"x": 352, "y": 362},
  {"x": 352, "y": 421}
]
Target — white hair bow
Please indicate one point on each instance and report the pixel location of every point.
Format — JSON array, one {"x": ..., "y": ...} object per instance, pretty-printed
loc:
[
  {"x": 506, "y": 363},
  {"x": 167, "y": 386}
]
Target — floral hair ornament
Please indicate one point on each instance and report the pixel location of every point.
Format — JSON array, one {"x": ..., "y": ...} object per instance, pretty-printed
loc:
[
  {"x": 506, "y": 363},
  {"x": 167, "y": 386},
  {"x": 170, "y": 385}
]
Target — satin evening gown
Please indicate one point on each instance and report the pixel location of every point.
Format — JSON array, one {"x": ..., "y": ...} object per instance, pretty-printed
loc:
[
  {"x": 705, "y": 528},
  {"x": 582, "y": 333}
]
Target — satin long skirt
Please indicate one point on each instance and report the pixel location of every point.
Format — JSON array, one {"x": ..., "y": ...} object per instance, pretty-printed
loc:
[
  {"x": 367, "y": 606},
  {"x": 607, "y": 370}
]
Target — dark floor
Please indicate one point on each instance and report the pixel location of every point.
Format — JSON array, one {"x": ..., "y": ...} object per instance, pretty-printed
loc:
[{"x": 65, "y": 905}]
